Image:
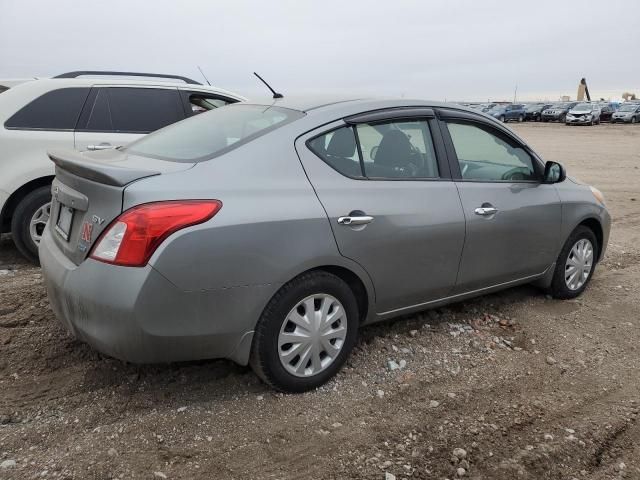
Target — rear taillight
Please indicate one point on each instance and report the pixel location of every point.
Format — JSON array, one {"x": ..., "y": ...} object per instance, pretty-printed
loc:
[{"x": 132, "y": 238}]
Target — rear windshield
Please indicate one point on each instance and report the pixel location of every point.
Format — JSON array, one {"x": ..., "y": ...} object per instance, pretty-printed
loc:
[{"x": 213, "y": 133}]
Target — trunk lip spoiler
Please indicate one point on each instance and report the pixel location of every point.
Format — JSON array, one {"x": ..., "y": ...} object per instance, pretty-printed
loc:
[{"x": 98, "y": 171}]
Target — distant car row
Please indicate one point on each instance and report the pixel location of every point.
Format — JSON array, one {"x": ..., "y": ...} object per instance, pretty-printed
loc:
[{"x": 570, "y": 113}]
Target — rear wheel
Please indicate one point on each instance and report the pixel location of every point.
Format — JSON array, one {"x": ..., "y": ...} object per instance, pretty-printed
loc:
[
  {"x": 305, "y": 333},
  {"x": 575, "y": 264},
  {"x": 29, "y": 220}
]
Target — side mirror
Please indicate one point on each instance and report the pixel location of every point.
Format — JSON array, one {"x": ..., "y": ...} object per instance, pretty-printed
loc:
[{"x": 554, "y": 172}]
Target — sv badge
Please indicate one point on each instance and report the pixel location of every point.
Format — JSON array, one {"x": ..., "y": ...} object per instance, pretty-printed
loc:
[{"x": 97, "y": 219}]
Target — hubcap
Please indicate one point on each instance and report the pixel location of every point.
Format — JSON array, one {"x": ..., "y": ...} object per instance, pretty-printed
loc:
[
  {"x": 39, "y": 221},
  {"x": 312, "y": 335},
  {"x": 579, "y": 264}
]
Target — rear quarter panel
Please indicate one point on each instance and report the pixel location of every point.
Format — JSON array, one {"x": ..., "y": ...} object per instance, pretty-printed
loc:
[{"x": 270, "y": 229}]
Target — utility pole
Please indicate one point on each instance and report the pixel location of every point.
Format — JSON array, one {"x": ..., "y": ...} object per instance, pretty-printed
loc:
[{"x": 515, "y": 94}]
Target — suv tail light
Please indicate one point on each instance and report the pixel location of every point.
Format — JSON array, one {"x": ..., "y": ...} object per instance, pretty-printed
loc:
[{"x": 132, "y": 238}]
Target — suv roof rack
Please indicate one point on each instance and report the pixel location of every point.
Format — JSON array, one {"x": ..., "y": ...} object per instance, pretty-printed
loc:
[{"x": 80, "y": 73}]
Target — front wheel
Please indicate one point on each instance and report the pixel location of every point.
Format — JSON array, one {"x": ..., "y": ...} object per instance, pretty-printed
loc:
[
  {"x": 633, "y": 120},
  {"x": 29, "y": 220},
  {"x": 502, "y": 119},
  {"x": 575, "y": 264},
  {"x": 305, "y": 333},
  {"x": 520, "y": 118}
]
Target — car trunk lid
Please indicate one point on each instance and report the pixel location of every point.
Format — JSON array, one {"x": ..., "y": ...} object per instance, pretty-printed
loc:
[{"x": 87, "y": 193}]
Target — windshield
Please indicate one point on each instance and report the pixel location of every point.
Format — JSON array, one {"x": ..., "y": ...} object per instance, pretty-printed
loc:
[
  {"x": 533, "y": 108},
  {"x": 628, "y": 108},
  {"x": 213, "y": 133},
  {"x": 583, "y": 107}
]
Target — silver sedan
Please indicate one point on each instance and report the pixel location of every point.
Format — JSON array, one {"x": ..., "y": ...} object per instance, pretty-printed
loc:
[{"x": 268, "y": 233}]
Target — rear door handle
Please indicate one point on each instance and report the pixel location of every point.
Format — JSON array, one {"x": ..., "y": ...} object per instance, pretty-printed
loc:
[
  {"x": 102, "y": 146},
  {"x": 359, "y": 220},
  {"x": 486, "y": 211}
]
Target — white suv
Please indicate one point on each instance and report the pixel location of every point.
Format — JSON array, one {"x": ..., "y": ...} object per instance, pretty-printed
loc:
[{"x": 84, "y": 110}]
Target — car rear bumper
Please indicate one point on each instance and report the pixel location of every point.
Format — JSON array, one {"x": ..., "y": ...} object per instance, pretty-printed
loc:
[{"x": 137, "y": 315}]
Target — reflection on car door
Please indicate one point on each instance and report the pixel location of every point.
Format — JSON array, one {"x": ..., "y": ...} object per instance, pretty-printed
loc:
[
  {"x": 513, "y": 220},
  {"x": 412, "y": 231},
  {"x": 116, "y": 116}
]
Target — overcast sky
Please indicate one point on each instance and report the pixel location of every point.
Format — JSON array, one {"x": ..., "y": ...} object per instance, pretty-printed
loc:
[{"x": 455, "y": 50}]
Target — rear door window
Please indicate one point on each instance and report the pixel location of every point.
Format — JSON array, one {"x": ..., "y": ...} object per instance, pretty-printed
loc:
[
  {"x": 143, "y": 110},
  {"x": 55, "y": 110},
  {"x": 398, "y": 149}
]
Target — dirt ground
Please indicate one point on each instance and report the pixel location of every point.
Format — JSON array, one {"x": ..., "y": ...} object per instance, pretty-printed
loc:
[{"x": 527, "y": 386}]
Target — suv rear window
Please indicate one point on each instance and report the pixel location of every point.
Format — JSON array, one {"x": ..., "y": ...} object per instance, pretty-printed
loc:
[
  {"x": 213, "y": 133},
  {"x": 55, "y": 110}
]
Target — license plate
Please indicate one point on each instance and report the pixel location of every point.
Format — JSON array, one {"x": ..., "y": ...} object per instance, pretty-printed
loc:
[{"x": 63, "y": 225}]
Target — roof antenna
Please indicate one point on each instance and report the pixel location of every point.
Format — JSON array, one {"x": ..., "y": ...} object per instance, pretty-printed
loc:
[
  {"x": 275, "y": 94},
  {"x": 205, "y": 77}
]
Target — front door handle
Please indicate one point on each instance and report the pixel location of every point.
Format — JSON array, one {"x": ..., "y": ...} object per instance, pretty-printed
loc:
[
  {"x": 486, "y": 211},
  {"x": 357, "y": 220},
  {"x": 102, "y": 146}
]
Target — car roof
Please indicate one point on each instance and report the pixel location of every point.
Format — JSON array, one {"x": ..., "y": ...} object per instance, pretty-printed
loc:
[
  {"x": 322, "y": 104},
  {"x": 45, "y": 84},
  {"x": 324, "y": 110}
]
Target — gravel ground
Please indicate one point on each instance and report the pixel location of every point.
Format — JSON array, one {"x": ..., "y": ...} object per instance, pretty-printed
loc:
[{"x": 511, "y": 385}]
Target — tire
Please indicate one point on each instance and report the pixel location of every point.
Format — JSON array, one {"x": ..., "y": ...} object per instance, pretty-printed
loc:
[
  {"x": 35, "y": 202},
  {"x": 265, "y": 353},
  {"x": 520, "y": 119},
  {"x": 633, "y": 120},
  {"x": 559, "y": 288},
  {"x": 562, "y": 118},
  {"x": 502, "y": 119}
]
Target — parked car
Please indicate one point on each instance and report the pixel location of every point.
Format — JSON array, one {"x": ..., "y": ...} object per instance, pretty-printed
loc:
[
  {"x": 584, "y": 114},
  {"x": 505, "y": 113},
  {"x": 78, "y": 110},
  {"x": 606, "y": 111},
  {"x": 627, "y": 113},
  {"x": 533, "y": 112},
  {"x": 557, "y": 112},
  {"x": 268, "y": 233}
]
